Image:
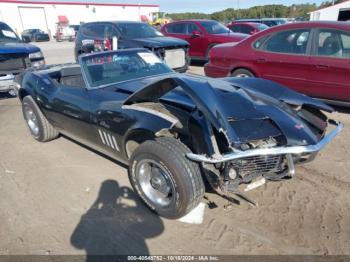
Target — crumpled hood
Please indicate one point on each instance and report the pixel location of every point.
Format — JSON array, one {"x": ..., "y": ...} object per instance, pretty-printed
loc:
[
  {"x": 229, "y": 106},
  {"x": 12, "y": 48},
  {"x": 161, "y": 41}
]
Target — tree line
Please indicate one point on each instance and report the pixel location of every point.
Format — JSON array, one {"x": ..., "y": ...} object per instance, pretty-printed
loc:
[{"x": 299, "y": 11}]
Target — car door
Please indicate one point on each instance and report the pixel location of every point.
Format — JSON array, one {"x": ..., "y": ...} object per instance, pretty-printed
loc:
[
  {"x": 198, "y": 42},
  {"x": 183, "y": 30},
  {"x": 330, "y": 73},
  {"x": 284, "y": 58},
  {"x": 72, "y": 111}
]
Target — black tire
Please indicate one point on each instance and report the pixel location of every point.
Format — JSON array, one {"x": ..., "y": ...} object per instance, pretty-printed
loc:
[
  {"x": 183, "y": 176},
  {"x": 242, "y": 73},
  {"x": 45, "y": 131}
]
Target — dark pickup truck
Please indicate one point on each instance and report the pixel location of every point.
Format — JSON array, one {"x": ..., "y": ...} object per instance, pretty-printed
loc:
[
  {"x": 105, "y": 36},
  {"x": 15, "y": 56}
]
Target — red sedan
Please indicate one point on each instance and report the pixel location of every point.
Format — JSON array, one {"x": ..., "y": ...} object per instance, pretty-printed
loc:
[
  {"x": 202, "y": 35},
  {"x": 310, "y": 57}
]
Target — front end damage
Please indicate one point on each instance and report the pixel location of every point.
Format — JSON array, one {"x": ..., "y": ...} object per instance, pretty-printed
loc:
[
  {"x": 228, "y": 171},
  {"x": 243, "y": 134}
]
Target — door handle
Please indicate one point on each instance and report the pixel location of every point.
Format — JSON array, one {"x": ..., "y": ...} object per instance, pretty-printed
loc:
[
  {"x": 321, "y": 66},
  {"x": 261, "y": 60}
]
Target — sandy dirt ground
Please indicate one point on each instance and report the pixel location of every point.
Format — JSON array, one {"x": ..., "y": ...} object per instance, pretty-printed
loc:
[{"x": 61, "y": 198}]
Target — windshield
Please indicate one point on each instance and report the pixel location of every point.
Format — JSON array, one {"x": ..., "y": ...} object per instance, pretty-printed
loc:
[
  {"x": 7, "y": 35},
  {"x": 214, "y": 27},
  {"x": 274, "y": 22},
  {"x": 262, "y": 27},
  {"x": 102, "y": 69},
  {"x": 138, "y": 30}
]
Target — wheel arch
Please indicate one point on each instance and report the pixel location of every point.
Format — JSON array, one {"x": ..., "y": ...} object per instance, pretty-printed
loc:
[
  {"x": 134, "y": 138},
  {"x": 22, "y": 93}
]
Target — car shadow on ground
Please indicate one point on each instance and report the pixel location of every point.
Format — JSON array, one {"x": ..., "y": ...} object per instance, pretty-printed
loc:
[{"x": 117, "y": 223}]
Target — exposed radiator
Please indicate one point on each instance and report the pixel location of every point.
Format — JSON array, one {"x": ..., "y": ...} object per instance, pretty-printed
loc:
[{"x": 258, "y": 165}]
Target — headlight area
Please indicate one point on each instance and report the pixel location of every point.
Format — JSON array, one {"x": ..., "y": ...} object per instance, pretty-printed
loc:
[{"x": 37, "y": 59}]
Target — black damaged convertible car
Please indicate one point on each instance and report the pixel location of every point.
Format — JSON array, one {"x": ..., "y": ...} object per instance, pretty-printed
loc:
[{"x": 176, "y": 131}]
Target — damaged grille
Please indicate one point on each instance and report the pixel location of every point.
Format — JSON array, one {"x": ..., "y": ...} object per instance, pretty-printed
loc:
[
  {"x": 175, "y": 58},
  {"x": 258, "y": 165},
  {"x": 12, "y": 62}
]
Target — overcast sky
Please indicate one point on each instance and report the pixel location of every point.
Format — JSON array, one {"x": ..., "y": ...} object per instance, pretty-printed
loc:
[{"x": 209, "y": 6}]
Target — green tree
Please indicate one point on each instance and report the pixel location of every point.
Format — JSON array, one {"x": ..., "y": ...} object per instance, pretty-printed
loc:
[{"x": 229, "y": 14}]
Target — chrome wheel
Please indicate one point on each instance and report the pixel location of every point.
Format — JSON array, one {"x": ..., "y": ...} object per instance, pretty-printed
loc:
[
  {"x": 32, "y": 120},
  {"x": 155, "y": 182}
]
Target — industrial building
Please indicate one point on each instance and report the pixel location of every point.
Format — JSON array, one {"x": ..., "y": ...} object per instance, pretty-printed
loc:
[
  {"x": 45, "y": 14},
  {"x": 338, "y": 12}
]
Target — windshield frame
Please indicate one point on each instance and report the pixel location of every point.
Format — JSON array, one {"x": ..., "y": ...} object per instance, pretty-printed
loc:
[
  {"x": 135, "y": 50},
  {"x": 6, "y": 27}
]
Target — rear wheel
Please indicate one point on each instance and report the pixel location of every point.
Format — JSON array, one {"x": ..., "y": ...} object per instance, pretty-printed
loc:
[
  {"x": 169, "y": 183},
  {"x": 38, "y": 125},
  {"x": 242, "y": 73}
]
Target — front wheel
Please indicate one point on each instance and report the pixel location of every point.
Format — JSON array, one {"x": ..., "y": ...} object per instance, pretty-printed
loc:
[
  {"x": 242, "y": 73},
  {"x": 39, "y": 126},
  {"x": 169, "y": 183}
]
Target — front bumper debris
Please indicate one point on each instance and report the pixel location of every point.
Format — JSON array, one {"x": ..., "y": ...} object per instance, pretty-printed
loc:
[{"x": 237, "y": 154}]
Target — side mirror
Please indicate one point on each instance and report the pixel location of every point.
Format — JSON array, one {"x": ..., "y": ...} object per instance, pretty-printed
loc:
[{"x": 196, "y": 33}]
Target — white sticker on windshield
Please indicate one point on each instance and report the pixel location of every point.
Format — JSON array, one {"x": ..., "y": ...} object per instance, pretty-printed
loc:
[
  {"x": 149, "y": 58},
  {"x": 8, "y": 33}
]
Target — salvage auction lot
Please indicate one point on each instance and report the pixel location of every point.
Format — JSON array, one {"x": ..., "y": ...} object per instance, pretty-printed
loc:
[{"x": 62, "y": 198}]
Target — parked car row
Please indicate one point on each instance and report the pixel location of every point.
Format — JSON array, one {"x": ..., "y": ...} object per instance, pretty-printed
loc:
[{"x": 270, "y": 22}]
